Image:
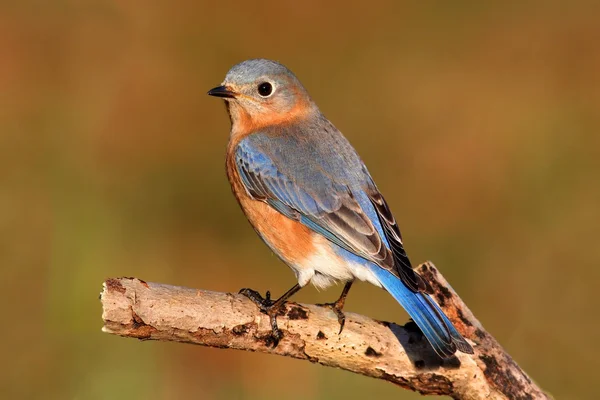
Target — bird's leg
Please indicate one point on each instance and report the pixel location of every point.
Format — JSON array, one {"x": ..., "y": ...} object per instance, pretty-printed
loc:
[
  {"x": 270, "y": 307},
  {"x": 338, "y": 305}
]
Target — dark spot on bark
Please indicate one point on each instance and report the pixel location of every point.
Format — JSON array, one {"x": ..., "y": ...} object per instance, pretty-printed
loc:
[
  {"x": 114, "y": 284},
  {"x": 137, "y": 321},
  {"x": 430, "y": 270},
  {"x": 445, "y": 291},
  {"x": 443, "y": 294},
  {"x": 441, "y": 300},
  {"x": 419, "y": 364},
  {"x": 440, "y": 384},
  {"x": 141, "y": 330},
  {"x": 479, "y": 333},
  {"x": 270, "y": 340},
  {"x": 240, "y": 329},
  {"x": 297, "y": 312},
  {"x": 321, "y": 336},
  {"x": 463, "y": 318},
  {"x": 503, "y": 377},
  {"x": 144, "y": 283},
  {"x": 426, "y": 384},
  {"x": 490, "y": 362},
  {"x": 371, "y": 352}
]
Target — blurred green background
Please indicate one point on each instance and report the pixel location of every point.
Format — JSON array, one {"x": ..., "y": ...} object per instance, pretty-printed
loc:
[{"x": 478, "y": 120}]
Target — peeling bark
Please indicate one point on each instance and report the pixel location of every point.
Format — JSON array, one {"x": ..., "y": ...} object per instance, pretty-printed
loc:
[{"x": 383, "y": 350}]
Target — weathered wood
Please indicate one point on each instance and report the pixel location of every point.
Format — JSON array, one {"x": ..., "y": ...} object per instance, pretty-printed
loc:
[{"x": 383, "y": 350}]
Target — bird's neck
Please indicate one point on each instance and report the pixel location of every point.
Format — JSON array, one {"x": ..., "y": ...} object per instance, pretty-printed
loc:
[{"x": 244, "y": 123}]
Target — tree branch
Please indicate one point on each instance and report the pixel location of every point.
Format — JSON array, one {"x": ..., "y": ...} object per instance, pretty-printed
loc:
[{"x": 383, "y": 350}]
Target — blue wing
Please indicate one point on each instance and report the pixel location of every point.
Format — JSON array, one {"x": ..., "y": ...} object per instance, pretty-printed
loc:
[
  {"x": 331, "y": 193},
  {"x": 322, "y": 183}
]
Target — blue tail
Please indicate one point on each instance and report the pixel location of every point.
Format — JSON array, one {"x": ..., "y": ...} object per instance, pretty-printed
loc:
[{"x": 428, "y": 316}]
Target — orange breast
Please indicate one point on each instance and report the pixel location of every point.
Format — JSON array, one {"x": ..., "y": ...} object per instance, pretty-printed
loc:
[{"x": 291, "y": 240}]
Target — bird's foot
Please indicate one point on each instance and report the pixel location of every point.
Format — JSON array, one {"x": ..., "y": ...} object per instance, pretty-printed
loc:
[
  {"x": 336, "y": 307},
  {"x": 263, "y": 303},
  {"x": 269, "y": 307}
]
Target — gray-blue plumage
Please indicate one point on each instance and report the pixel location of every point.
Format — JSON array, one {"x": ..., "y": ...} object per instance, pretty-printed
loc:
[{"x": 314, "y": 175}]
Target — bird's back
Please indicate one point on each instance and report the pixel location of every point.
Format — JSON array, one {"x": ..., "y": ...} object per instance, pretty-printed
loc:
[
  {"x": 314, "y": 169},
  {"x": 312, "y": 151}
]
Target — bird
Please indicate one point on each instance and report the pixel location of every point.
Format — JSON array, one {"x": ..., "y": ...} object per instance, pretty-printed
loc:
[{"x": 310, "y": 198}]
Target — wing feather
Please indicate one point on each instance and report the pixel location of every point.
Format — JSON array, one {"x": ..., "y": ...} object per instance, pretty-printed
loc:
[{"x": 329, "y": 207}]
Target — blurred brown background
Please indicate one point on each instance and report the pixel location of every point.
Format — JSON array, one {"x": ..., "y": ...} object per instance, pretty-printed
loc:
[{"x": 479, "y": 122}]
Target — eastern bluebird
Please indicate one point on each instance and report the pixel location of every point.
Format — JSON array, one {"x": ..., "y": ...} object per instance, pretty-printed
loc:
[{"x": 310, "y": 198}]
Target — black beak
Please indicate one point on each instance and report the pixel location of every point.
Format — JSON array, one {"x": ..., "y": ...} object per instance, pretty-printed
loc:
[{"x": 222, "y": 91}]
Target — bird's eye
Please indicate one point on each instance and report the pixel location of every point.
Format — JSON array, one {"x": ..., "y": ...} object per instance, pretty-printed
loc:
[{"x": 265, "y": 89}]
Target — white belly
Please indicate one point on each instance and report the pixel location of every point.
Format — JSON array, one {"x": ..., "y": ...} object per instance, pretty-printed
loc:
[{"x": 325, "y": 267}]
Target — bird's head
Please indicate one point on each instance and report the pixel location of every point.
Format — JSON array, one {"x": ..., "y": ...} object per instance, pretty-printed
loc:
[{"x": 260, "y": 93}]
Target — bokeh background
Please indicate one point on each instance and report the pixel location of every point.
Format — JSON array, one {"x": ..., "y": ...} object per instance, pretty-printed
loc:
[{"x": 478, "y": 120}]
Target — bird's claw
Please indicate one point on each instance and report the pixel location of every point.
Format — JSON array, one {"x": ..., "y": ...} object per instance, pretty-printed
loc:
[
  {"x": 263, "y": 303},
  {"x": 266, "y": 306},
  {"x": 337, "y": 310}
]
